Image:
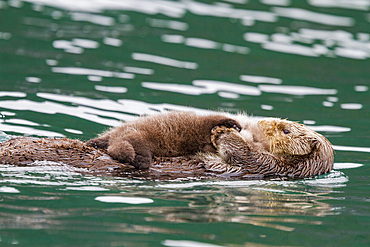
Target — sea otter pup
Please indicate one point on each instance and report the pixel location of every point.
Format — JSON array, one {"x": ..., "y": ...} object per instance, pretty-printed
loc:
[
  {"x": 276, "y": 148},
  {"x": 166, "y": 134}
]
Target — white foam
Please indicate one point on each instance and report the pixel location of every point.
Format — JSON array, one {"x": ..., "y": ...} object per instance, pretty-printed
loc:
[
  {"x": 260, "y": 79},
  {"x": 187, "y": 243},
  {"x": 340, "y": 166},
  {"x": 164, "y": 61},
  {"x": 256, "y": 37},
  {"x": 56, "y": 174},
  {"x": 7, "y": 113},
  {"x": 276, "y": 2},
  {"x": 6, "y": 189},
  {"x": 29, "y": 130},
  {"x": 296, "y": 90},
  {"x": 178, "y": 88},
  {"x": 227, "y": 87},
  {"x": 306, "y": 15},
  {"x": 351, "y": 53},
  {"x": 4, "y": 35},
  {"x": 351, "y": 106},
  {"x": 170, "y": 38},
  {"x": 19, "y": 121},
  {"x": 86, "y": 188},
  {"x": 110, "y": 89},
  {"x": 92, "y": 18},
  {"x": 51, "y": 62},
  {"x": 67, "y": 46},
  {"x": 361, "y": 88},
  {"x": 267, "y": 107},
  {"x": 73, "y": 131},
  {"x": 346, "y": 4},
  {"x": 334, "y": 179},
  {"x": 48, "y": 107},
  {"x": 85, "y": 43},
  {"x": 123, "y": 199},
  {"x": 202, "y": 43},
  {"x": 149, "y": 7},
  {"x": 235, "y": 48},
  {"x": 332, "y": 99},
  {"x": 291, "y": 49},
  {"x": 228, "y": 95},
  {"x": 12, "y": 94},
  {"x": 136, "y": 70},
  {"x": 94, "y": 78},
  {"x": 326, "y": 34},
  {"x": 33, "y": 79},
  {"x": 309, "y": 121},
  {"x": 200, "y": 87},
  {"x": 112, "y": 41},
  {"x": 175, "y": 25},
  {"x": 351, "y": 149},
  {"x": 327, "y": 104},
  {"x": 330, "y": 128},
  {"x": 95, "y": 72}
]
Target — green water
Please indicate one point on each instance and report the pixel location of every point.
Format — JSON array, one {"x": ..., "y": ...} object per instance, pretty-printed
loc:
[{"x": 74, "y": 68}]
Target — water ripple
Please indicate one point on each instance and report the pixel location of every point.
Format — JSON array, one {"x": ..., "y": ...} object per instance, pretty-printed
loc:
[
  {"x": 351, "y": 149},
  {"x": 164, "y": 61},
  {"x": 302, "y": 14},
  {"x": 296, "y": 90},
  {"x": 334, "y": 43},
  {"x": 260, "y": 79},
  {"x": 93, "y": 18},
  {"x": 346, "y": 4},
  {"x": 94, "y": 72},
  {"x": 203, "y": 43},
  {"x": 205, "y": 87}
]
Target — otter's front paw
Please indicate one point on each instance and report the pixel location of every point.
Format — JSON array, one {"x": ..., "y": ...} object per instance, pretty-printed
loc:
[
  {"x": 218, "y": 133},
  {"x": 230, "y": 123}
]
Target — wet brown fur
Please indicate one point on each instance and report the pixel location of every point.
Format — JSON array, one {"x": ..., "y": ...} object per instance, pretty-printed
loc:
[
  {"x": 287, "y": 149},
  {"x": 166, "y": 134},
  {"x": 260, "y": 150}
]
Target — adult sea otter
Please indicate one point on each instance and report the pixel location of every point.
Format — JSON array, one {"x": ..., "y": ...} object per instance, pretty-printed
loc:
[{"x": 267, "y": 147}]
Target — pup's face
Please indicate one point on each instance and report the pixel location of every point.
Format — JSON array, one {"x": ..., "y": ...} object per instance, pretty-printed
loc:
[{"x": 288, "y": 138}]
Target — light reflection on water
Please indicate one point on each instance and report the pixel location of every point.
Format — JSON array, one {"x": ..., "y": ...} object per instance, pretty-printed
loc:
[
  {"x": 82, "y": 65},
  {"x": 269, "y": 205},
  {"x": 227, "y": 201},
  {"x": 111, "y": 113}
]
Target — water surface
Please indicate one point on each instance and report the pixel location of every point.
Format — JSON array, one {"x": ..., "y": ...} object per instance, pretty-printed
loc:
[{"x": 75, "y": 68}]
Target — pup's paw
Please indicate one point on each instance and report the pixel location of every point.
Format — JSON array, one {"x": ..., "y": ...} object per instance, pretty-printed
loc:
[
  {"x": 230, "y": 123},
  {"x": 100, "y": 142},
  {"x": 142, "y": 161},
  {"x": 218, "y": 132}
]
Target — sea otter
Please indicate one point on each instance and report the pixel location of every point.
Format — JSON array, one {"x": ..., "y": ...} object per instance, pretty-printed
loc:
[
  {"x": 166, "y": 134},
  {"x": 268, "y": 147},
  {"x": 276, "y": 148}
]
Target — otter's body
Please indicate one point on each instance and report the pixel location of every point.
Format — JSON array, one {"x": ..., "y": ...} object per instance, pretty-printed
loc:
[
  {"x": 264, "y": 148},
  {"x": 166, "y": 134}
]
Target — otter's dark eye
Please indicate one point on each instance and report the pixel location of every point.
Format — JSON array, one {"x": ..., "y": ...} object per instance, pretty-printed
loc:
[{"x": 286, "y": 132}]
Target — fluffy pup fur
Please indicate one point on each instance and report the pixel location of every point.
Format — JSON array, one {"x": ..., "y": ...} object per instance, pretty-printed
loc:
[{"x": 165, "y": 134}]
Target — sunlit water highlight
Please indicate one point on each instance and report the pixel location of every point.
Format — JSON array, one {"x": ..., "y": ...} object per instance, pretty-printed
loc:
[{"x": 76, "y": 68}]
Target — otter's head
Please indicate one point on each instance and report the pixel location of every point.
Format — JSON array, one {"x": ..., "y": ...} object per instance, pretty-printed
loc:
[
  {"x": 300, "y": 144},
  {"x": 291, "y": 138},
  {"x": 288, "y": 138}
]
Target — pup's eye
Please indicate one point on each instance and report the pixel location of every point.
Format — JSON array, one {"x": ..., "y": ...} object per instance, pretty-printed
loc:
[{"x": 286, "y": 132}]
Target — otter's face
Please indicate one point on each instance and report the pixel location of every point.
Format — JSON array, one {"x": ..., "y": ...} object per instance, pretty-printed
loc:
[{"x": 288, "y": 138}]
